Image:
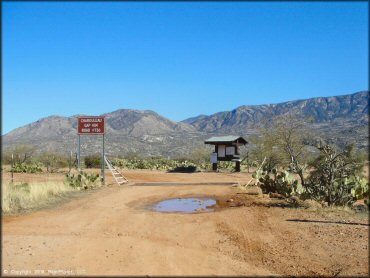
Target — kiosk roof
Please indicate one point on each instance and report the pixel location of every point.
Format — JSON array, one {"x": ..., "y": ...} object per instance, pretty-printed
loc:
[{"x": 226, "y": 139}]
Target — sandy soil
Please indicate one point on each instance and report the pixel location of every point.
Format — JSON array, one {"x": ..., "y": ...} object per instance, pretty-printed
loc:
[{"x": 112, "y": 231}]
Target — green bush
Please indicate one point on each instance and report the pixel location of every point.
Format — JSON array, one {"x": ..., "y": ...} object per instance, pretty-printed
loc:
[
  {"x": 335, "y": 179},
  {"x": 52, "y": 161},
  {"x": 164, "y": 164},
  {"x": 93, "y": 161},
  {"x": 35, "y": 167},
  {"x": 184, "y": 169},
  {"x": 157, "y": 163}
]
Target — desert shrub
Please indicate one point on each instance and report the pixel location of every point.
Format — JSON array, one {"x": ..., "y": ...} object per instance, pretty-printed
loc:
[
  {"x": 53, "y": 161},
  {"x": 184, "y": 169},
  {"x": 335, "y": 179},
  {"x": 200, "y": 155},
  {"x": 164, "y": 164},
  {"x": 35, "y": 167},
  {"x": 83, "y": 180},
  {"x": 6, "y": 158},
  {"x": 21, "y": 154},
  {"x": 93, "y": 161},
  {"x": 156, "y": 163},
  {"x": 228, "y": 165}
]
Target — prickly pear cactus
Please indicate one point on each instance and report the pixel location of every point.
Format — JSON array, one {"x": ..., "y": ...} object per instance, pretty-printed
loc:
[
  {"x": 360, "y": 189},
  {"x": 280, "y": 182},
  {"x": 257, "y": 175},
  {"x": 83, "y": 180}
]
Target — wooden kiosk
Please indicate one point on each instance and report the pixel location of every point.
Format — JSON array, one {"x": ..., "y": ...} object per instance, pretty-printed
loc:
[{"x": 226, "y": 149}]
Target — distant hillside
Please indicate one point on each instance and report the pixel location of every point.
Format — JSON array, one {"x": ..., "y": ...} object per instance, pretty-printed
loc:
[
  {"x": 134, "y": 131},
  {"x": 349, "y": 108},
  {"x": 341, "y": 118}
]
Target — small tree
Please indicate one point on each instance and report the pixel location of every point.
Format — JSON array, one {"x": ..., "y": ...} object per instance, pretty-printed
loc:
[
  {"x": 53, "y": 161},
  {"x": 200, "y": 155},
  {"x": 21, "y": 159},
  {"x": 264, "y": 149},
  {"x": 283, "y": 142},
  {"x": 6, "y": 158},
  {"x": 291, "y": 135},
  {"x": 23, "y": 153}
]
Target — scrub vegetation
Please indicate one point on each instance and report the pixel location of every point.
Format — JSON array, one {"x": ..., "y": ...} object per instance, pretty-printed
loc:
[
  {"x": 19, "y": 197},
  {"x": 287, "y": 159},
  {"x": 332, "y": 176}
]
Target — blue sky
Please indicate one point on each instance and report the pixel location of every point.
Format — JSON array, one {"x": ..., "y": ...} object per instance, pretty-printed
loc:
[{"x": 178, "y": 59}]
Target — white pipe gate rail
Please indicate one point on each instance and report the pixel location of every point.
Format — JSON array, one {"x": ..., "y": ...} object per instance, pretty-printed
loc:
[{"x": 119, "y": 178}]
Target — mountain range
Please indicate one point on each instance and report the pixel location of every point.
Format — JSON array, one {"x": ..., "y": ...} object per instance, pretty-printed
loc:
[{"x": 339, "y": 118}]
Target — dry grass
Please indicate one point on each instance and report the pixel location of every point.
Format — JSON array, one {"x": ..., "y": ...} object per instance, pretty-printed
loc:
[{"x": 28, "y": 196}]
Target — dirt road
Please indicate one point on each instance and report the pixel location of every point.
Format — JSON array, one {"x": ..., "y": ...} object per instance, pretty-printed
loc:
[{"x": 111, "y": 232}]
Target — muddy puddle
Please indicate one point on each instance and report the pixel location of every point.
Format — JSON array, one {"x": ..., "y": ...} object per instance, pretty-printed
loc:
[{"x": 185, "y": 205}]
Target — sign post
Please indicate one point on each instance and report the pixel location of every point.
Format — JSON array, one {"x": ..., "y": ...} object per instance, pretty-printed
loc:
[
  {"x": 91, "y": 125},
  {"x": 103, "y": 163},
  {"x": 79, "y": 151}
]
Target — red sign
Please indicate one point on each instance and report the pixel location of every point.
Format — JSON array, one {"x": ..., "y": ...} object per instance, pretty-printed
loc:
[{"x": 90, "y": 125}]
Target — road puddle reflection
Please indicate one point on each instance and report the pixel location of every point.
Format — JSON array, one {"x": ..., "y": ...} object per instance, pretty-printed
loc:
[{"x": 185, "y": 205}]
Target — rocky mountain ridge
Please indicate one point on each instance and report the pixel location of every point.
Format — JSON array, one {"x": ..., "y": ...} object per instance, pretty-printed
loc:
[
  {"x": 149, "y": 134},
  {"x": 348, "y": 108}
]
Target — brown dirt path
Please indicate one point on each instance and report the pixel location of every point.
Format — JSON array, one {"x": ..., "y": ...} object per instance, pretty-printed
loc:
[
  {"x": 101, "y": 235},
  {"x": 109, "y": 232}
]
